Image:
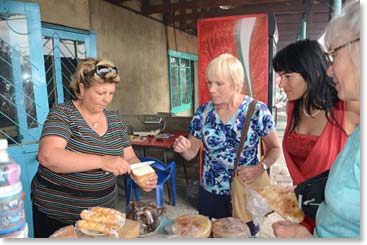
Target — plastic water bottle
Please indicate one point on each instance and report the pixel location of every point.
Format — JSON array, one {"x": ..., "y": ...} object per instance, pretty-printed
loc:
[{"x": 12, "y": 214}]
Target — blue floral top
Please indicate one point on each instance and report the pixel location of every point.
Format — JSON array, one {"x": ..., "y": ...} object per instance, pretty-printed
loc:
[{"x": 221, "y": 141}]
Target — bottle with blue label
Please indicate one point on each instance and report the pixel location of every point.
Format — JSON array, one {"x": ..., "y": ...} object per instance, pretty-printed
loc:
[{"x": 12, "y": 214}]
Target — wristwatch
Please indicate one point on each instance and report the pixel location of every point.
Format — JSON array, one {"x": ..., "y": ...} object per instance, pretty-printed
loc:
[{"x": 265, "y": 167}]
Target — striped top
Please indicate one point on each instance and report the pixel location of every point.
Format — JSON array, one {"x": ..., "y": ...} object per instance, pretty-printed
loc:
[{"x": 65, "y": 120}]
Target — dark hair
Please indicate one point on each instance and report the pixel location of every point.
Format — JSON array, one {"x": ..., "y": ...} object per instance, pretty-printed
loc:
[{"x": 306, "y": 57}]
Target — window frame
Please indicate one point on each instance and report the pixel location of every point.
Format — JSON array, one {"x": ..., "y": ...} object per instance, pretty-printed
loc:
[{"x": 181, "y": 56}]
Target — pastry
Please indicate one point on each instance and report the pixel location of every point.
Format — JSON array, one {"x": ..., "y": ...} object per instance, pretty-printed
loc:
[
  {"x": 104, "y": 215},
  {"x": 94, "y": 228}
]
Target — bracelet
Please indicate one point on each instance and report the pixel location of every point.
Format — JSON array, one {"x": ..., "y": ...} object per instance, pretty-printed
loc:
[{"x": 263, "y": 165}]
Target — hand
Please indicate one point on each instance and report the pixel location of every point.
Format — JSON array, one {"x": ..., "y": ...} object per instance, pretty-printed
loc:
[
  {"x": 115, "y": 165},
  {"x": 288, "y": 229},
  {"x": 287, "y": 189},
  {"x": 248, "y": 174},
  {"x": 181, "y": 144},
  {"x": 151, "y": 183}
]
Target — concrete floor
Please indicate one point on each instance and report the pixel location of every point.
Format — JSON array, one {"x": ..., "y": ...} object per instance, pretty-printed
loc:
[{"x": 278, "y": 175}]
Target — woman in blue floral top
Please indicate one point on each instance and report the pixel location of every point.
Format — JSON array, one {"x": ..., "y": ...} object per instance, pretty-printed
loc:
[{"x": 218, "y": 125}]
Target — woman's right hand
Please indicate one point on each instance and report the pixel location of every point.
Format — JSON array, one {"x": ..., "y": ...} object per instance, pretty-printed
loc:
[
  {"x": 115, "y": 165},
  {"x": 181, "y": 144}
]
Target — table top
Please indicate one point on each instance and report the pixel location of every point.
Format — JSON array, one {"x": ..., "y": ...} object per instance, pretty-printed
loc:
[{"x": 154, "y": 141}]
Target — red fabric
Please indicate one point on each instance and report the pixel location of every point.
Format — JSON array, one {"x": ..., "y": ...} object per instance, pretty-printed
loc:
[
  {"x": 318, "y": 152},
  {"x": 220, "y": 35}
]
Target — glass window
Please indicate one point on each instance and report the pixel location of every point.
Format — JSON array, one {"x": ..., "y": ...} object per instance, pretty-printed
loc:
[
  {"x": 16, "y": 83},
  {"x": 181, "y": 70}
]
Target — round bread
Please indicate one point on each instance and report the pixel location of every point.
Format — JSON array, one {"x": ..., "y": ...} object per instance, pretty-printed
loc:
[
  {"x": 193, "y": 226},
  {"x": 230, "y": 227},
  {"x": 65, "y": 232}
]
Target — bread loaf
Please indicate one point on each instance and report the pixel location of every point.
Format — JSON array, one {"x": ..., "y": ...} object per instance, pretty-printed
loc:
[
  {"x": 142, "y": 174},
  {"x": 230, "y": 227}
]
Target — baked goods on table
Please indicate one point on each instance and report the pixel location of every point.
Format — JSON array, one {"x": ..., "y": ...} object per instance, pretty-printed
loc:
[
  {"x": 192, "y": 226},
  {"x": 100, "y": 221},
  {"x": 230, "y": 227},
  {"x": 108, "y": 216},
  {"x": 282, "y": 202},
  {"x": 147, "y": 214},
  {"x": 65, "y": 232}
]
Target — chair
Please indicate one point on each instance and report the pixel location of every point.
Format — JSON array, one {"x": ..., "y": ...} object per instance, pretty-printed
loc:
[{"x": 165, "y": 173}]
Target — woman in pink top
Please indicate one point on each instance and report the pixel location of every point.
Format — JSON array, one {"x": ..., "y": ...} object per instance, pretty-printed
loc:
[{"x": 318, "y": 123}]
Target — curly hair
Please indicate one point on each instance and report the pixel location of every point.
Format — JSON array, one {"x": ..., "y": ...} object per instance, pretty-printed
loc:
[{"x": 86, "y": 74}]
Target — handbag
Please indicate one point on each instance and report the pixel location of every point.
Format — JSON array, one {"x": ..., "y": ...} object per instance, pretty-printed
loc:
[
  {"x": 238, "y": 188},
  {"x": 310, "y": 193}
]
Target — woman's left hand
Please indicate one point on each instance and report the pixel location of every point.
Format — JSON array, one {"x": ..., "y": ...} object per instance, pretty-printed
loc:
[
  {"x": 151, "y": 183},
  {"x": 248, "y": 174},
  {"x": 288, "y": 229}
]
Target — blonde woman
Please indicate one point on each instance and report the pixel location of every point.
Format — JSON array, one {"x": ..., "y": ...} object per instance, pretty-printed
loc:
[{"x": 218, "y": 125}]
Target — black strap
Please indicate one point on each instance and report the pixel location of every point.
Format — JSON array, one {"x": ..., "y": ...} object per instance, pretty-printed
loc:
[{"x": 249, "y": 113}]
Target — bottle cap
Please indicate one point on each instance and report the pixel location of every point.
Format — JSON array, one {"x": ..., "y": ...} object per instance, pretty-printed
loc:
[{"x": 3, "y": 144}]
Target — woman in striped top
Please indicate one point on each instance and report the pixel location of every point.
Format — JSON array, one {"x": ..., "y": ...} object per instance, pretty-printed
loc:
[{"x": 82, "y": 150}]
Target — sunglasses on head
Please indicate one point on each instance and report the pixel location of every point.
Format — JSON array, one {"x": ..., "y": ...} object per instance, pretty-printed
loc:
[
  {"x": 329, "y": 55},
  {"x": 102, "y": 71}
]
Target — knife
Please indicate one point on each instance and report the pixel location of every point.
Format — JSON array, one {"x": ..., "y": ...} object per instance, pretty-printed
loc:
[
  {"x": 137, "y": 165},
  {"x": 140, "y": 164}
]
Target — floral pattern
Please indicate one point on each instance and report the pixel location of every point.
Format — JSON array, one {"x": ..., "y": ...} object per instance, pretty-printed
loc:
[{"x": 221, "y": 141}]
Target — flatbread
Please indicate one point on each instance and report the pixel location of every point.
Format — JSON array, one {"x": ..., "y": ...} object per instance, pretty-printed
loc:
[
  {"x": 192, "y": 226},
  {"x": 284, "y": 203},
  {"x": 230, "y": 227}
]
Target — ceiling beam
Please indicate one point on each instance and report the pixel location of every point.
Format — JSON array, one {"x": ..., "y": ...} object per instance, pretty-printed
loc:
[
  {"x": 256, "y": 9},
  {"x": 160, "y": 8}
]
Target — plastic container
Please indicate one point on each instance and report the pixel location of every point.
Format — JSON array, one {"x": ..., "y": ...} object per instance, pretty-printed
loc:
[
  {"x": 12, "y": 214},
  {"x": 9, "y": 170}
]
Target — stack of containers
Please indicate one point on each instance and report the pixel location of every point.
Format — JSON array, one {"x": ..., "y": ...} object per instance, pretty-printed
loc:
[{"x": 12, "y": 215}]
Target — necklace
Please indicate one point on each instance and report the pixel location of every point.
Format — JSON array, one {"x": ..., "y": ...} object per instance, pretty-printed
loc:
[
  {"x": 312, "y": 115},
  {"x": 95, "y": 124}
]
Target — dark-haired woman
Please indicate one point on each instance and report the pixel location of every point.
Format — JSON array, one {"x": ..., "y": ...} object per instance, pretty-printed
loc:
[{"x": 318, "y": 123}]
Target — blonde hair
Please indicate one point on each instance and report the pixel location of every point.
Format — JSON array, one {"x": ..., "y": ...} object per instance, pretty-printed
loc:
[
  {"x": 226, "y": 66},
  {"x": 84, "y": 74}
]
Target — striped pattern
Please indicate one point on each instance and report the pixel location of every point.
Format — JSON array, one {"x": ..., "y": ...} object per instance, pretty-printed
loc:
[{"x": 65, "y": 121}]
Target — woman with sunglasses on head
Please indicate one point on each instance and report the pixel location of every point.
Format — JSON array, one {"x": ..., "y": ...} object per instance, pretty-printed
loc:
[
  {"x": 82, "y": 150},
  {"x": 339, "y": 214},
  {"x": 318, "y": 123}
]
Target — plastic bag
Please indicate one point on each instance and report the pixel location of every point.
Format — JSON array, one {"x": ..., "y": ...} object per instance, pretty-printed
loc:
[{"x": 257, "y": 206}]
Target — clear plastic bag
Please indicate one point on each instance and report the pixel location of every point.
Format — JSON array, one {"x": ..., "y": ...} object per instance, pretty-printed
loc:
[{"x": 257, "y": 206}]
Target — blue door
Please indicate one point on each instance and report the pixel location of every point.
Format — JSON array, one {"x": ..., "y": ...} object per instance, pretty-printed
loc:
[
  {"x": 23, "y": 91},
  {"x": 36, "y": 64}
]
